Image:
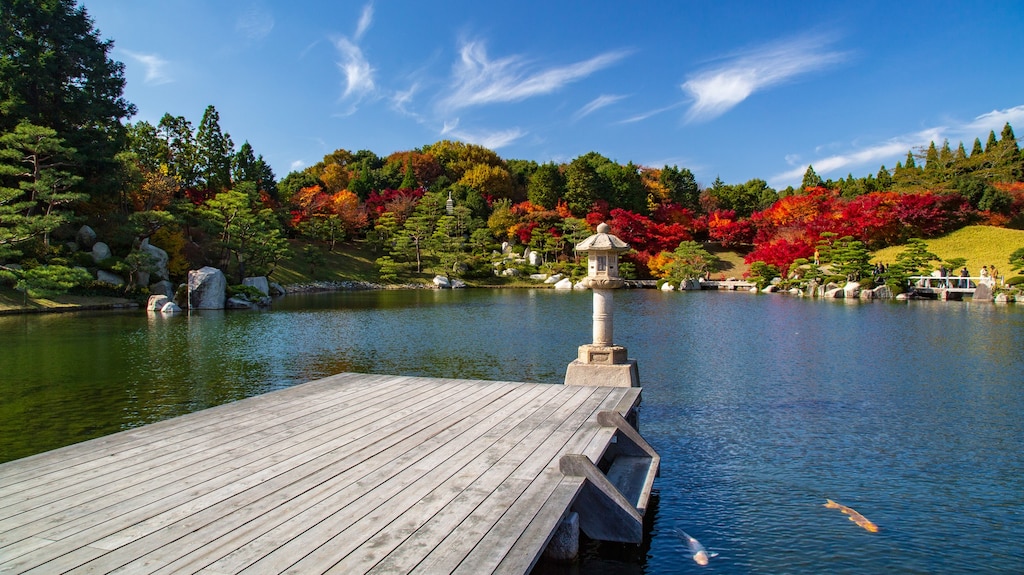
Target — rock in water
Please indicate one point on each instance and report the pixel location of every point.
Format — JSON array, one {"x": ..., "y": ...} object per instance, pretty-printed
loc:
[{"x": 206, "y": 288}]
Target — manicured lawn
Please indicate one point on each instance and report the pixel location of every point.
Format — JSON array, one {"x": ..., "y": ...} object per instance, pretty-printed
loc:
[{"x": 980, "y": 245}]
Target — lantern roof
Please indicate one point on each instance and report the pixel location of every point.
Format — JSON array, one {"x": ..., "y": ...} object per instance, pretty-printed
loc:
[{"x": 602, "y": 241}]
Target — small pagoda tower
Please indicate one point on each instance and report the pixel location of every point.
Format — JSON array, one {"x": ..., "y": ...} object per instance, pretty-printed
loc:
[{"x": 602, "y": 362}]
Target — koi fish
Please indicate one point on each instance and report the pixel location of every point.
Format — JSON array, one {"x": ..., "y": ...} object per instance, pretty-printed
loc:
[
  {"x": 854, "y": 516},
  {"x": 700, "y": 554}
]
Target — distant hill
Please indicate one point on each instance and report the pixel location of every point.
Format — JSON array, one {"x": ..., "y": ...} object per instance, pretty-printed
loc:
[{"x": 980, "y": 245}]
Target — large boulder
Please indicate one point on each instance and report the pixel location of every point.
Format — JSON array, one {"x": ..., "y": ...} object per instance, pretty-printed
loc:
[
  {"x": 883, "y": 292},
  {"x": 554, "y": 279},
  {"x": 259, "y": 283},
  {"x": 162, "y": 287},
  {"x": 239, "y": 303},
  {"x": 170, "y": 307},
  {"x": 86, "y": 237},
  {"x": 277, "y": 289},
  {"x": 109, "y": 278},
  {"x": 442, "y": 282},
  {"x": 156, "y": 302},
  {"x": 835, "y": 293},
  {"x": 983, "y": 292},
  {"x": 534, "y": 258},
  {"x": 667, "y": 286},
  {"x": 100, "y": 252},
  {"x": 160, "y": 259},
  {"x": 851, "y": 290},
  {"x": 207, "y": 288},
  {"x": 564, "y": 283}
]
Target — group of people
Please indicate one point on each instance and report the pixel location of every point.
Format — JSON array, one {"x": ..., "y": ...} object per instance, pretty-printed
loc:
[{"x": 988, "y": 275}]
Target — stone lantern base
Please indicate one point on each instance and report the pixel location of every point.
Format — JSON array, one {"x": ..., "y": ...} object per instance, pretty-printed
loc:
[{"x": 599, "y": 365}]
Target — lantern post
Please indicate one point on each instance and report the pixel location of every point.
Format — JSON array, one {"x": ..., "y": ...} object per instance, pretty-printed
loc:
[{"x": 602, "y": 362}]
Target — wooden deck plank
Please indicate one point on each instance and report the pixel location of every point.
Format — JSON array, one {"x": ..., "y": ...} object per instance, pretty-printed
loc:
[
  {"x": 534, "y": 461},
  {"x": 463, "y": 492},
  {"x": 237, "y": 459},
  {"x": 182, "y": 500},
  {"x": 67, "y": 458},
  {"x": 407, "y": 478},
  {"x": 168, "y": 528},
  {"x": 235, "y": 534},
  {"x": 349, "y": 474},
  {"x": 176, "y": 443}
]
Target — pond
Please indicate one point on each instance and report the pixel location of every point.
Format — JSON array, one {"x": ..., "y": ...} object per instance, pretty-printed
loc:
[{"x": 761, "y": 406}]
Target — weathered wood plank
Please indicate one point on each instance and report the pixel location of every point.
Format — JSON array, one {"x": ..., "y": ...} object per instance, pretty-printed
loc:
[
  {"x": 349, "y": 474},
  {"x": 236, "y": 462}
]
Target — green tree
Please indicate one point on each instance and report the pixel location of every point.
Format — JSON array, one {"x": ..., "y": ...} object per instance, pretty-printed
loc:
[
  {"x": 546, "y": 186},
  {"x": 690, "y": 261},
  {"x": 36, "y": 161},
  {"x": 246, "y": 232},
  {"x": 682, "y": 187},
  {"x": 55, "y": 73},
  {"x": 850, "y": 258},
  {"x": 1017, "y": 260},
  {"x": 214, "y": 151},
  {"x": 182, "y": 149},
  {"x": 811, "y": 179}
]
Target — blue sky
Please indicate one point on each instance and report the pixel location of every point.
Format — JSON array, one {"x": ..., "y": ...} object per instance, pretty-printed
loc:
[{"x": 736, "y": 90}]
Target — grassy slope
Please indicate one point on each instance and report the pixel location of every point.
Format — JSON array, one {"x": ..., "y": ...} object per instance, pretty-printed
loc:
[
  {"x": 348, "y": 262},
  {"x": 980, "y": 245}
]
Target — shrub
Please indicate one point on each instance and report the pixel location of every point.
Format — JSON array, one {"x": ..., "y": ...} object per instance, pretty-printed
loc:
[
  {"x": 1015, "y": 280},
  {"x": 248, "y": 293}
]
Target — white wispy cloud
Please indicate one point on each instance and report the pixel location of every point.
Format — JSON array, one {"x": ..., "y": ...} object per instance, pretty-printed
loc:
[
  {"x": 156, "y": 67},
  {"x": 255, "y": 24},
  {"x": 356, "y": 69},
  {"x": 596, "y": 104},
  {"x": 895, "y": 149},
  {"x": 718, "y": 89},
  {"x": 478, "y": 80},
  {"x": 365, "y": 19},
  {"x": 649, "y": 114},
  {"x": 491, "y": 139},
  {"x": 993, "y": 121},
  {"x": 297, "y": 165}
]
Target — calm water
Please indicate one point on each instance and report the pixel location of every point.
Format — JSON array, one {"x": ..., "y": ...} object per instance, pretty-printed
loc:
[{"x": 761, "y": 406}]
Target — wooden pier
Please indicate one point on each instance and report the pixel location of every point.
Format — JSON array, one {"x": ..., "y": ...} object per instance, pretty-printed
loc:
[{"x": 353, "y": 473}]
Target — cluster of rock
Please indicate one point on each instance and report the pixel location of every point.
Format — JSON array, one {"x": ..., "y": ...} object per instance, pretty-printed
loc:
[
  {"x": 443, "y": 282},
  {"x": 207, "y": 288},
  {"x": 158, "y": 280},
  {"x": 502, "y": 268}
]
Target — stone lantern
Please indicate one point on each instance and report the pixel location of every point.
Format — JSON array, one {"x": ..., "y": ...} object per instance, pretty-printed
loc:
[{"x": 602, "y": 362}]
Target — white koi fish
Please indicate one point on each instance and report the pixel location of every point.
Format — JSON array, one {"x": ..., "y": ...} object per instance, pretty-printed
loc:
[{"x": 700, "y": 554}]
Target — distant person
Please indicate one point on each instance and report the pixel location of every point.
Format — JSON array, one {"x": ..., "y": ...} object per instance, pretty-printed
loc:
[
  {"x": 816, "y": 262},
  {"x": 984, "y": 279},
  {"x": 994, "y": 275},
  {"x": 965, "y": 282}
]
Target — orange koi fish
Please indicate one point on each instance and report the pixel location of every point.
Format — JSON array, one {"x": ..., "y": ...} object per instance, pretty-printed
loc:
[{"x": 854, "y": 516}]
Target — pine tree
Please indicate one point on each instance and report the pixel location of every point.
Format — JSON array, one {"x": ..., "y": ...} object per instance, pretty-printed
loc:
[{"x": 214, "y": 151}]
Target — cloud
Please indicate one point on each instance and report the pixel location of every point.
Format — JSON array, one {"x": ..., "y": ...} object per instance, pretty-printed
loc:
[
  {"x": 365, "y": 19},
  {"x": 356, "y": 69},
  {"x": 492, "y": 140},
  {"x": 297, "y": 165},
  {"x": 717, "y": 90},
  {"x": 255, "y": 24},
  {"x": 479, "y": 80},
  {"x": 993, "y": 122},
  {"x": 895, "y": 149},
  {"x": 353, "y": 64},
  {"x": 596, "y": 104},
  {"x": 156, "y": 68},
  {"x": 643, "y": 116},
  {"x": 879, "y": 153}
]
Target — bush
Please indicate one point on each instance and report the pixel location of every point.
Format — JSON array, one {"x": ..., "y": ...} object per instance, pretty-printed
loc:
[
  {"x": 1015, "y": 280},
  {"x": 248, "y": 293}
]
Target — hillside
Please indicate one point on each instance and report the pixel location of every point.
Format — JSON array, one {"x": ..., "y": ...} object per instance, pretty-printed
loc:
[{"x": 980, "y": 245}]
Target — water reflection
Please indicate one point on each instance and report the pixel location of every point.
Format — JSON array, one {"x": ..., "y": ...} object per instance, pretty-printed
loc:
[{"x": 761, "y": 406}]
